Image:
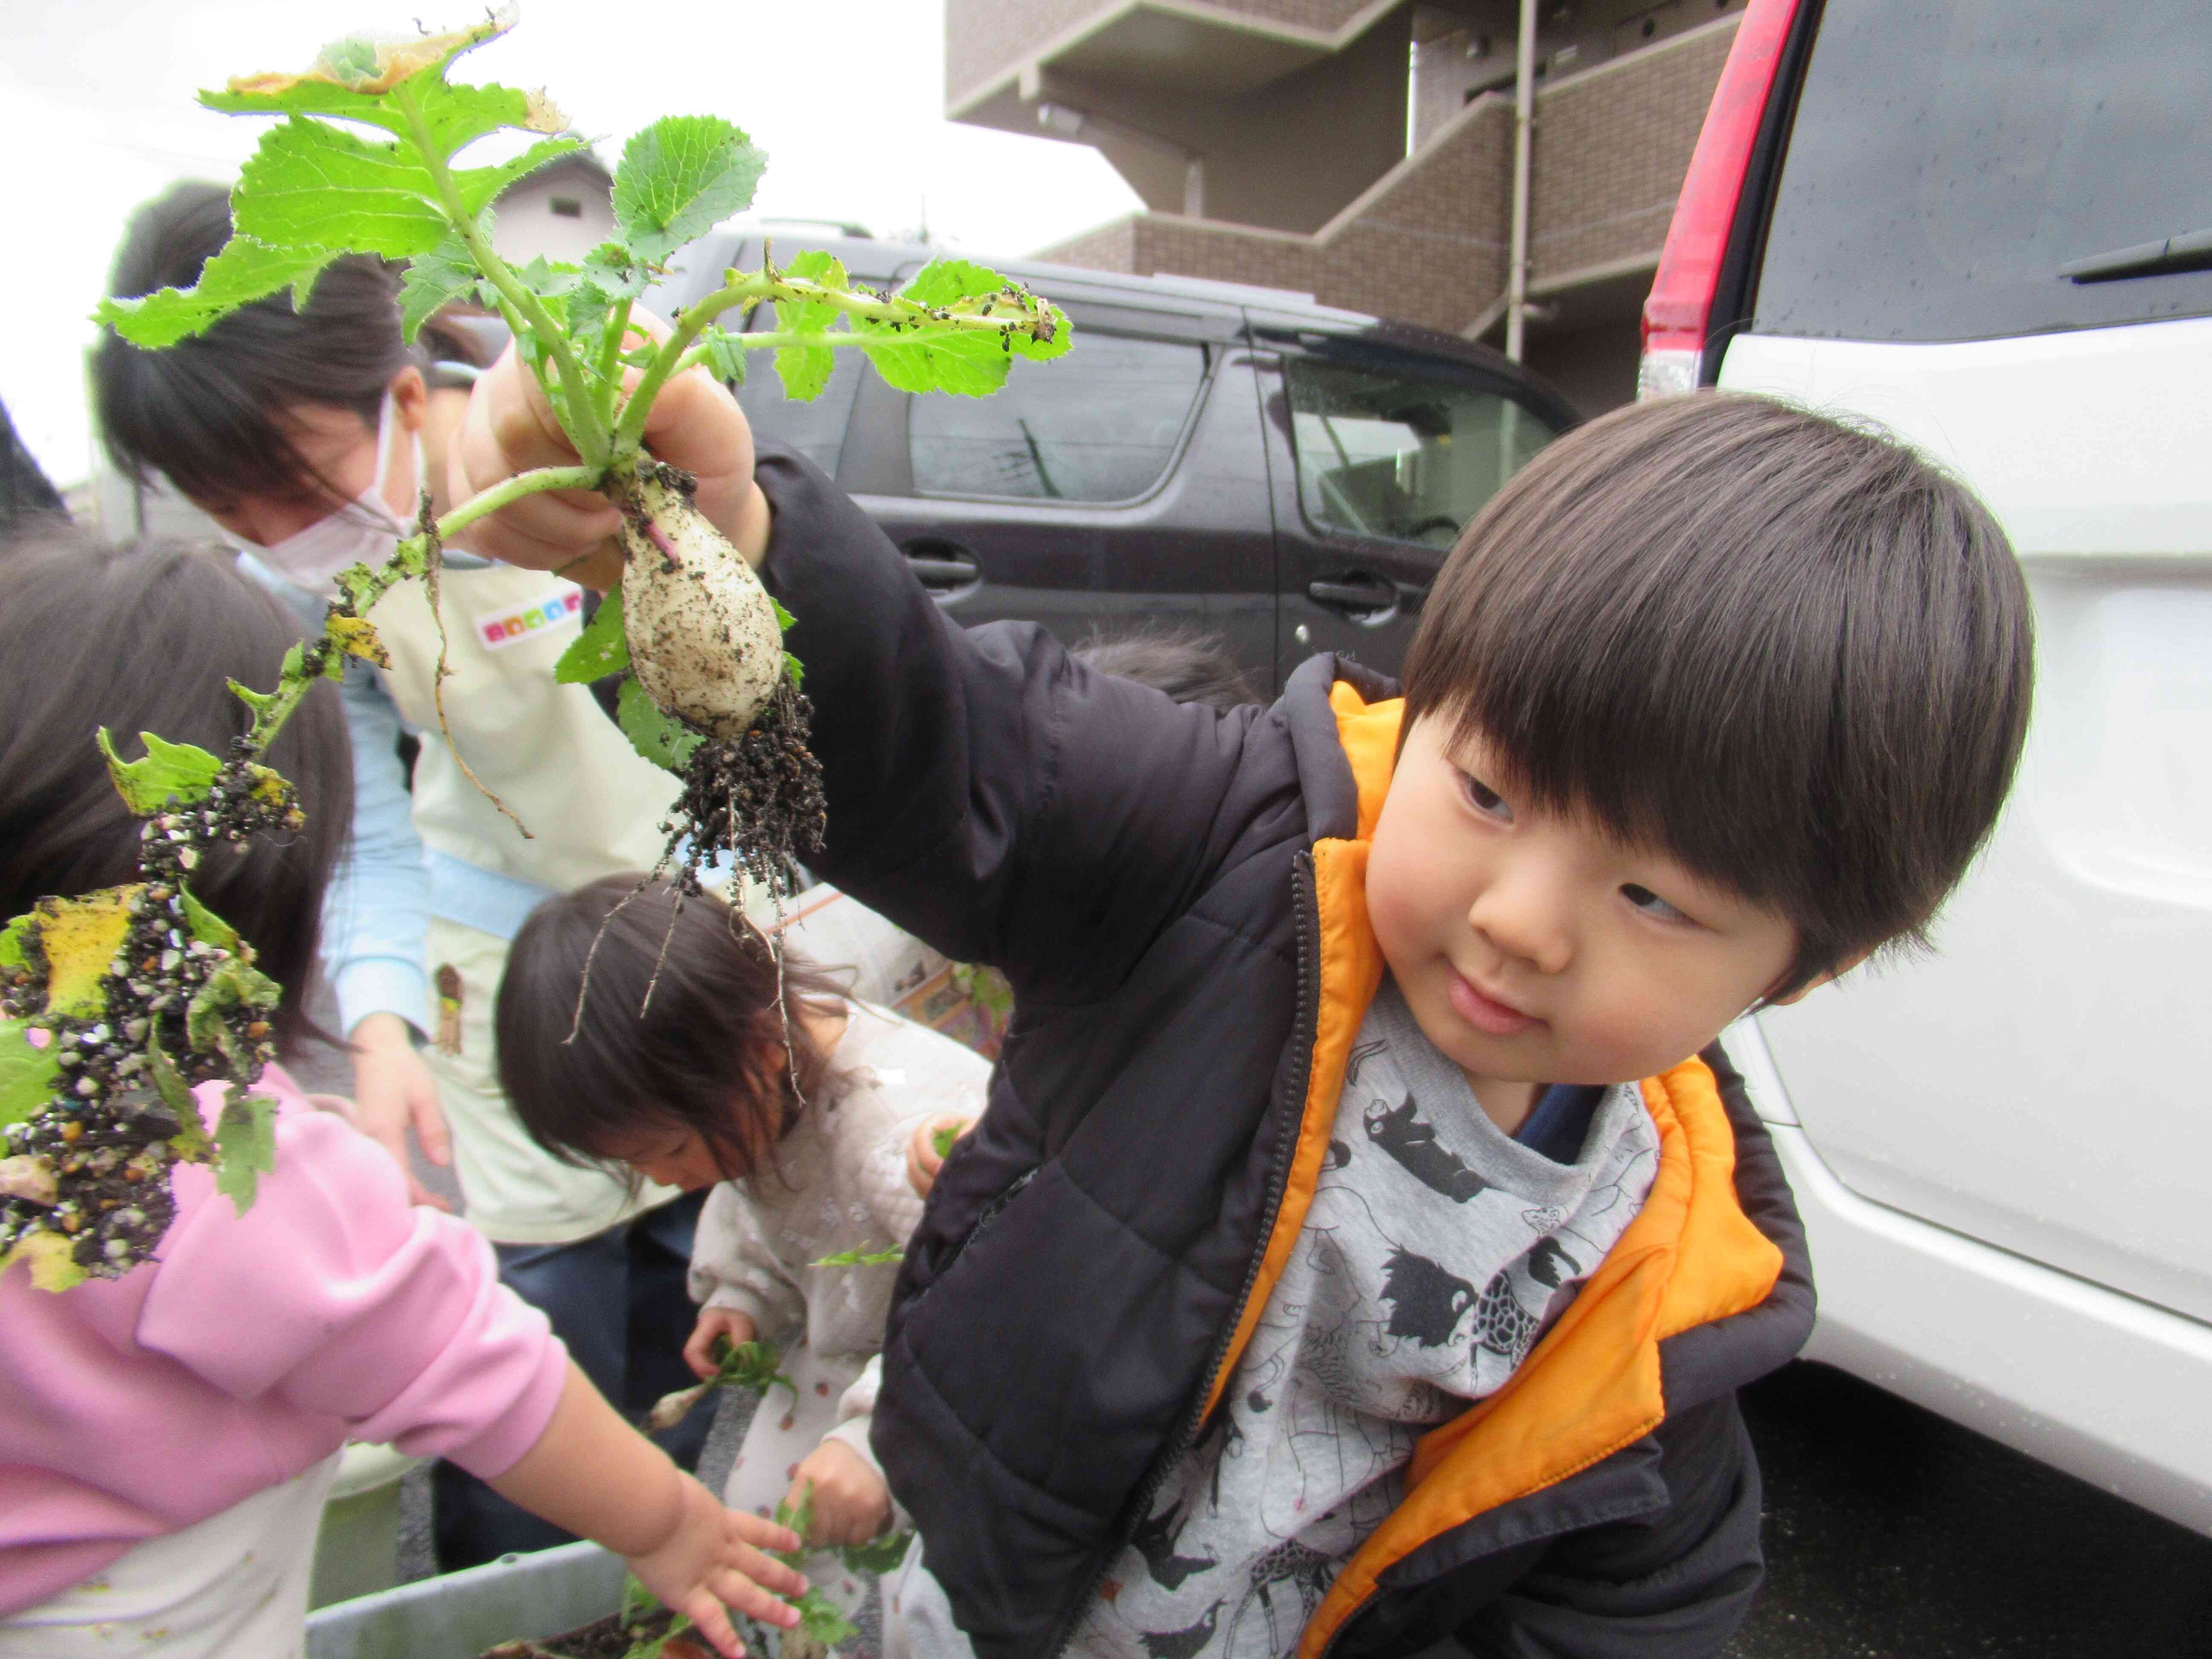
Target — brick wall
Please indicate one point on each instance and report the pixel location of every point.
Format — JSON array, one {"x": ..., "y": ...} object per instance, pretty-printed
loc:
[
  {"x": 1608, "y": 160},
  {"x": 1429, "y": 249},
  {"x": 1610, "y": 151}
]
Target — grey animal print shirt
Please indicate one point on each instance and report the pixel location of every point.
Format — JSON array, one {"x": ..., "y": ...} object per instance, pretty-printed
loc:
[{"x": 1437, "y": 1249}]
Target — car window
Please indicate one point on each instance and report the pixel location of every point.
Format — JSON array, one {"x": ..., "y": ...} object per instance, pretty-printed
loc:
[
  {"x": 1402, "y": 457},
  {"x": 815, "y": 429},
  {"x": 1099, "y": 424},
  {"x": 1949, "y": 156}
]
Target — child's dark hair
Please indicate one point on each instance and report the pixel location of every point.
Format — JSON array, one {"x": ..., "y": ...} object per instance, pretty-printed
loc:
[
  {"x": 1189, "y": 666},
  {"x": 210, "y": 413},
  {"x": 1790, "y": 651},
  {"x": 143, "y": 638},
  {"x": 708, "y": 1042}
]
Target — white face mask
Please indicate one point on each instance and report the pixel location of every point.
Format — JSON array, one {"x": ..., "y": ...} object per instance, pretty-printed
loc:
[{"x": 363, "y": 532}]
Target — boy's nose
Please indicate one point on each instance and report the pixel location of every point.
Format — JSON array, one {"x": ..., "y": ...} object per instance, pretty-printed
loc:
[{"x": 1523, "y": 917}]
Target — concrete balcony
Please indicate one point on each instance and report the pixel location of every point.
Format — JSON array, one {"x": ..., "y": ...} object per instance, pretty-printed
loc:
[
  {"x": 1427, "y": 241},
  {"x": 1209, "y": 46}
]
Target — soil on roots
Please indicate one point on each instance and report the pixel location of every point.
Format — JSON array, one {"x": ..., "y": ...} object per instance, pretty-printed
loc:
[{"x": 757, "y": 799}]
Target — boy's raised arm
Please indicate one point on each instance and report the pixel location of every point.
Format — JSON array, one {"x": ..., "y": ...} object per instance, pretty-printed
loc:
[{"x": 987, "y": 791}]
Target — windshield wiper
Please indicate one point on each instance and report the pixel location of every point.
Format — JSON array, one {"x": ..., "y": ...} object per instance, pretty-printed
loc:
[{"x": 2190, "y": 252}]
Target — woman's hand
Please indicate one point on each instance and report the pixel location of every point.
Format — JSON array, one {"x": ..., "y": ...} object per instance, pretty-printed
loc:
[
  {"x": 923, "y": 1160},
  {"x": 695, "y": 424},
  {"x": 699, "y": 1352},
  {"x": 716, "y": 1558},
  {"x": 851, "y": 1502},
  {"x": 394, "y": 1091}
]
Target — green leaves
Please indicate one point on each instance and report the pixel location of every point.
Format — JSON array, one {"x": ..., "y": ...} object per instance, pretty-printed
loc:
[
  {"x": 804, "y": 370},
  {"x": 170, "y": 772},
  {"x": 680, "y": 177},
  {"x": 313, "y": 191},
  {"x": 818, "y": 1616},
  {"x": 312, "y": 185},
  {"x": 757, "y": 1366},
  {"x": 234, "y": 986},
  {"x": 878, "y": 1555},
  {"x": 444, "y": 273},
  {"x": 861, "y": 1258},
  {"x": 245, "y": 1135},
  {"x": 661, "y": 739},
  {"x": 600, "y": 650},
  {"x": 970, "y": 362},
  {"x": 244, "y": 271},
  {"x": 29, "y": 1071}
]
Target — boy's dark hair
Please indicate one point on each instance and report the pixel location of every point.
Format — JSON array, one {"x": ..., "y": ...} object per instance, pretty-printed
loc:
[
  {"x": 143, "y": 638},
  {"x": 1788, "y": 650},
  {"x": 707, "y": 1043},
  {"x": 211, "y": 412},
  {"x": 1189, "y": 666}
]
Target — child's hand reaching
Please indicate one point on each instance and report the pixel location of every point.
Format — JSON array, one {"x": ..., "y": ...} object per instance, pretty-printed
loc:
[
  {"x": 851, "y": 1502},
  {"x": 923, "y": 1160},
  {"x": 699, "y": 1352},
  {"x": 716, "y": 1558}
]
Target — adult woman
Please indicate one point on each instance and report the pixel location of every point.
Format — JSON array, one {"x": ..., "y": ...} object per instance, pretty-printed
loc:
[{"x": 308, "y": 436}]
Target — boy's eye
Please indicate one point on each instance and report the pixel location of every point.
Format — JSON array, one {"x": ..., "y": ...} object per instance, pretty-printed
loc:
[
  {"x": 1484, "y": 799},
  {"x": 1651, "y": 903}
]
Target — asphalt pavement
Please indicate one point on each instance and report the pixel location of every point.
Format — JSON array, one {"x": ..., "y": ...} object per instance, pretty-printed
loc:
[{"x": 1893, "y": 1534}]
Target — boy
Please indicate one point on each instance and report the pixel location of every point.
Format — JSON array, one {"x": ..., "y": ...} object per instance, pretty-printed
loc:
[{"x": 1366, "y": 1238}]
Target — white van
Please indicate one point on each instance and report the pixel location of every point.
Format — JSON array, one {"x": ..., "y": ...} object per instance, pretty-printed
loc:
[{"x": 1988, "y": 225}]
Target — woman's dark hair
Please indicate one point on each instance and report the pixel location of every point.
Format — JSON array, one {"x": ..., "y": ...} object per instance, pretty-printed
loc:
[
  {"x": 143, "y": 638},
  {"x": 1189, "y": 666},
  {"x": 1788, "y": 650},
  {"x": 211, "y": 412},
  {"x": 706, "y": 1045}
]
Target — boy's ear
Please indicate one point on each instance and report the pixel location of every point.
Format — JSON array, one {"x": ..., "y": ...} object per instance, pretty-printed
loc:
[{"x": 1818, "y": 981}]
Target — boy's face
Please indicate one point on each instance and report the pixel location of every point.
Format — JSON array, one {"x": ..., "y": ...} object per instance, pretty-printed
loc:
[{"x": 1534, "y": 949}]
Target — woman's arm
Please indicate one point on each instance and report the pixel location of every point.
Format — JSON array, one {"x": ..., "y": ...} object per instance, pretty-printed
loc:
[{"x": 376, "y": 922}]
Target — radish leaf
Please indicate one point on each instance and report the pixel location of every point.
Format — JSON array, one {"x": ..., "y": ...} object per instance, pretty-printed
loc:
[
  {"x": 600, "y": 650},
  {"x": 661, "y": 739},
  {"x": 680, "y": 177}
]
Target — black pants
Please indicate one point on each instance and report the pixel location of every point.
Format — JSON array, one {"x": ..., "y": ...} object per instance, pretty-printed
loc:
[{"x": 618, "y": 1300}]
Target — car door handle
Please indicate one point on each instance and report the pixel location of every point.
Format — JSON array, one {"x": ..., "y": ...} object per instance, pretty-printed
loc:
[
  {"x": 1356, "y": 592},
  {"x": 942, "y": 568}
]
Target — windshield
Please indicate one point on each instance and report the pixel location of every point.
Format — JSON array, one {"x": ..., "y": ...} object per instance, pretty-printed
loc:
[
  {"x": 1405, "y": 458},
  {"x": 1949, "y": 156}
]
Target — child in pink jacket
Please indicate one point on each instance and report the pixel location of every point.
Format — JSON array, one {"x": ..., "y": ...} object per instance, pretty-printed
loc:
[{"x": 167, "y": 1439}]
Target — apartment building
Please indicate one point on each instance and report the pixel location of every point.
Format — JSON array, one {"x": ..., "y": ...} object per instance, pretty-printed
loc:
[{"x": 1361, "y": 151}]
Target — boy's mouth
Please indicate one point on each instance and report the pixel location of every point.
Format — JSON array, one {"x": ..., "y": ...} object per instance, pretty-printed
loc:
[{"x": 1484, "y": 1012}]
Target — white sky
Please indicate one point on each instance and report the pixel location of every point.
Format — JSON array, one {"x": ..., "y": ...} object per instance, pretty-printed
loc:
[{"x": 96, "y": 107}]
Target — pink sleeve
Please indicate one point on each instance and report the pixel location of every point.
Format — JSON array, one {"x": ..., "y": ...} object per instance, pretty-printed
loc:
[{"x": 334, "y": 1296}]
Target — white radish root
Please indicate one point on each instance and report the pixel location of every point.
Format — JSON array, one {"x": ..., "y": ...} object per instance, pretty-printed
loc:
[{"x": 703, "y": 636}]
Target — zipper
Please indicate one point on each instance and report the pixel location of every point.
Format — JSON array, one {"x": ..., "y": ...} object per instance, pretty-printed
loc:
[{"x": 1305, "y": 906}]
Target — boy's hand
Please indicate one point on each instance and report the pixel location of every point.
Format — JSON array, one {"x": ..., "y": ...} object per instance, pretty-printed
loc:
[
  {"x": 716, "y": 1560},
  {"x": 923, "y": 1160},
  {"x": 699, "y": 1352},
  {"x": 851, "y": 1502},
  {"x": 509, "y": 427}
]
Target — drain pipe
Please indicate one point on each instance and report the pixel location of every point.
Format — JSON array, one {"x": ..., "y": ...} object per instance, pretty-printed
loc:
[{"x": 1524, "y": 122}]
